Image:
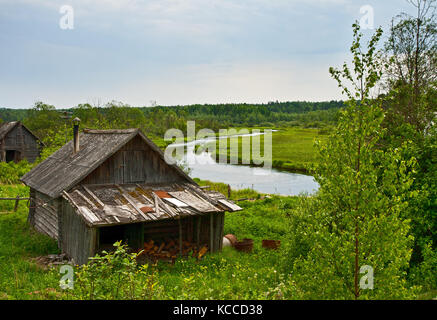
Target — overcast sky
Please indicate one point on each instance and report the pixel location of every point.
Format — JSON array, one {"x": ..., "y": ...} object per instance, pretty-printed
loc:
[{"x": 177, "y": 51}]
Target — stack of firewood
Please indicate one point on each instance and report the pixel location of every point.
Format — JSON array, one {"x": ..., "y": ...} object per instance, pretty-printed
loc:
[{"x": 169, "y": 250}]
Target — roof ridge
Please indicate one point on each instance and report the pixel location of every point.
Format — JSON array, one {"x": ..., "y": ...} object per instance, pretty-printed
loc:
[{"x": 106, "y": 131}]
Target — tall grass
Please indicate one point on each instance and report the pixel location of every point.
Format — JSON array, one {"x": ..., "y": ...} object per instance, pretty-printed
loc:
[{"x": 292, "y": 148}]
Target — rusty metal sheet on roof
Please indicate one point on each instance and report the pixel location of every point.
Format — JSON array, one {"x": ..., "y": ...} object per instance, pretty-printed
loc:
[
  {"x": 147, "y": 209},
  {"x": 162, "y": 194}
]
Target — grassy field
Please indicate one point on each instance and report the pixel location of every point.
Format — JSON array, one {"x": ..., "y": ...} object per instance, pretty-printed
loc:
[
  {"x": 293, "y": 149},
  {"x": 226, "y": 275}
]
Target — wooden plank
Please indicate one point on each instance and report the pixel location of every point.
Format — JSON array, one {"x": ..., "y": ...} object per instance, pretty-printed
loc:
[
  {"x": 211, "y": 232},
  {"x": 47, "y": 216},
  {"x": 230, "y": 205},
  {"x": 14, "y": 198},
  {"x": 85, "y": 199},
  {"x": 176, "y": 202},
  {"x": 16, "y": 203},
  {"x": 100, "y": 203},
  {"x": 142, "y": 195},
  {"x": 200, "y": 193},
  {"x": 60, "y": 218},
  {"x": 150, "y": 215},
  {"x": 217, "y": 231},
  {"x": 155, "y": 199},
  {"x": 88, "y": 214},
  {"x": 180, "y": 236},
  {"x": 222, "y": 230},
  {"x": 194, "y": 201},
  {"x": 43, "y": 226},
  {"x": 127, "y": 197},
  {"x": 92, "y": 242},
  {"x": 73, "y": 205},
  {"x": 170, "y": 211},
  {"x": 199, "y": 220}
]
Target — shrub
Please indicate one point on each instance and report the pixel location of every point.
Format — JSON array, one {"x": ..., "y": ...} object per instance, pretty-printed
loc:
[
  {"x": 115, "y": 275},
  {"x": 11, "y": 172}
]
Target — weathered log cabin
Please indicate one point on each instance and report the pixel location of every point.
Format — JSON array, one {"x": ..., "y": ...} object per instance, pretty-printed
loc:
[
  {"x": 110, "y": 185},
  {"x": 17, "y": 143}
]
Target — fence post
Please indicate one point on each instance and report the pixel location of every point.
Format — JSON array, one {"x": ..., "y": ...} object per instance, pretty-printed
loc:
[{"x": 16, "y": 203}]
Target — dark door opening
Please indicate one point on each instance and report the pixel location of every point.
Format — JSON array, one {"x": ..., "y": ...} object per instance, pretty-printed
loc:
[
  {"x": 109, "y": 235},
  {"x": 130, "y": 234},
  {"x": 12, "y": 155}
]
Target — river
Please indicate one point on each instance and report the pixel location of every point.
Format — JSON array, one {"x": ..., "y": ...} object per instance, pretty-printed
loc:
[{"x": 271, "y": 181}]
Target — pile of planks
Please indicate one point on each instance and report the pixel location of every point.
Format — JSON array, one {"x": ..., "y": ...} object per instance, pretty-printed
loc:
[{"x": 169, "y": 250}]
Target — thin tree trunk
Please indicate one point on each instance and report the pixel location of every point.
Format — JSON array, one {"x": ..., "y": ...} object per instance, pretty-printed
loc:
[
  {"x": 358, "y": 168},
  {"x": 357, "y": 292}
]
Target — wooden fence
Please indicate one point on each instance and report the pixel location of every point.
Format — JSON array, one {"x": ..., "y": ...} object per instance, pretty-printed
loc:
[{"x": 17, "y": 200}]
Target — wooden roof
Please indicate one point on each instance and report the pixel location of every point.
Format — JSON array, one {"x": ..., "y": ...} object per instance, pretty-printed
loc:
[
  {"x": 6, "y": 127},
  {"x": 103, "y": 205},
  {"x": 63, "y": 169}
]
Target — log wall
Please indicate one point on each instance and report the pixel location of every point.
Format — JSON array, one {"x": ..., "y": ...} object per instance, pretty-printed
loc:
[
  {"x": 77, "y": 240},
  {"x": 135, "y": 162},
  {"x": 44, "y": 214}
]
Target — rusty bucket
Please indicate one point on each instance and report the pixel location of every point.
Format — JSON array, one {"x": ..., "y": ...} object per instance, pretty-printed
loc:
[
  {"x": 271, "y": 244},
  {"x": 232, "y": 239},
  {"x": 245, "y": 245}
]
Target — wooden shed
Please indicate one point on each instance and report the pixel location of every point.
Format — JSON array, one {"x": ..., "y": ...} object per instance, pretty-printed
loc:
[
  {"x": 116, "y": 185},
  {"x": 18, "y": 143}
]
